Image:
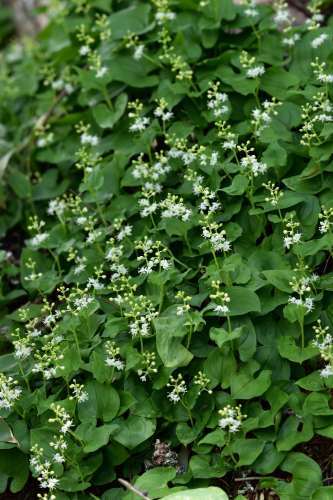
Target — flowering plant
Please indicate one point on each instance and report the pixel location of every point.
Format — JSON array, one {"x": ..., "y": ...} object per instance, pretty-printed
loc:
[{"x": 167, "y": 251}]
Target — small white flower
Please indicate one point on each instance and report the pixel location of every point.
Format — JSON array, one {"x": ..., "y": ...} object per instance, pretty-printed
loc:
[
  {"x": 319, "y": 40},
  {"x": 93, "y": 140},
  {"x": 116, "y": 363},
  {"x": 291, "y": 40},
  {"x": 221, "y": 309},
  {"x": 51, "y": 483},
  {"x": 255, "y": 71},
  {"x": 140, "y": 124},
  {"x": 84, "y": 50},
  {"x": 58, "y": 458},
  {"x": 38, "y": 239},
  {"x": 251, "y": 12},
  {"x": 66, "y": 426},
  {"x": 327, "y": 371},
  {"x": 138, "y": 52},
  {"x": 101, "y": 72}
]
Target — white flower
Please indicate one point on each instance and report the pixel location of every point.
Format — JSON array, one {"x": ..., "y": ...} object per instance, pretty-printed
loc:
[
  {"x": 58, "y": 458},
  {"x": 327, "y": 371},
  {"x": 291, "y": 40},
  {"x": 51, "y": 483},
  {"x": 282, "y": 16},
  {"x": 101, "y": 72},
  {"x": 140, "y": 124},
  {"x": 56, "y": 207},
  {"x": 93, "y": 140},
  {"x": 125, "y": 231},
  {"x": 231, "y": 423},
  {"x": 81, "y": 220},
  {"x": 231, "y": 418},
  {"x": 222, "y": 309},
  {"x": 82, "y": 302},
  {"x": 255, "y": 71},
  {"x": 57, "y": 84},
  {"x": 23, "y": 351},
  {"x": 66, "y": 426},
  {"x": 138, "y": 52},
  {"x": 161, "y": 17},
  {"x": 251, "y": 162},
  {"x": 9, "y": 391},
  {"x": 251, "y": 12},
  {"x": 319, "y": 40},
  {"x": 326, "y": 78},
  {"x": 116, "y": 363},
  {"x": 84, "y": 50},
  {"x": 38, "y": 239}
]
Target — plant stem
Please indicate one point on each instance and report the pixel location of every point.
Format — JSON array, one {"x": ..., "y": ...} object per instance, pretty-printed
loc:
[
  {"x": 132, "y": 488},
  {"x": 301, "y": 323},
  {"x": 77, "y": 344}
]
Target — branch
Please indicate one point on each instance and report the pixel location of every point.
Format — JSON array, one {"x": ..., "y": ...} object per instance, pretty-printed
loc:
[{"x": 132, "y": 488}]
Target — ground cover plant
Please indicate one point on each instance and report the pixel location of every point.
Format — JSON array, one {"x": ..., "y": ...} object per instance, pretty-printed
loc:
[{"x": 166, "y": 252}]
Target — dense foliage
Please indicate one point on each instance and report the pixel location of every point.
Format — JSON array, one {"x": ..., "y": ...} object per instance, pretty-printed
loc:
[{"x": 166, "y": 262}]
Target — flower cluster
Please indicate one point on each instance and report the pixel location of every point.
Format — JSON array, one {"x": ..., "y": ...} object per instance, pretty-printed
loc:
[
  {"x": 10, "y": 392},
  {"x": 231, "y": 418},
  {"x": 112, "y": 356},
  {"x": 252, "y": 68},
  {"x": 291, "y": 233},
  {"x": 221, "y": 299},
  {"x": 324, "y": 342},
  {"x": 177, "y": 387}
]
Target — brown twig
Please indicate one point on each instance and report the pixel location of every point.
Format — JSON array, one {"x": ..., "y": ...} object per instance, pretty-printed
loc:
[{"x": 132, "y": 488}]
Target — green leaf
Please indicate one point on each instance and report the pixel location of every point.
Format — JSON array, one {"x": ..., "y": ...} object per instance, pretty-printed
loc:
[
  {"x": 238, "y": 186},
  {"x": 106, "y": 117},
  {"x": 170, "y": 329},
  {"x": 289, "y": 350},
  {"x": 103, "y": 402},
  {"x": 242, "y": 300},
  {"x": 131, "y": 20},
  {"x": 280, "y": 278},
  {"x": 134, "y": 431},
  {"x": 211, "y": 493},
  {"x": 248, "y": 450},
  {"x": 221, "y": 336},
  {"x": 293, "y": 432},
  {"x": 155, "y": 481},
  {"x": 94, "y": 437},
  {"x": 245, "y": 386}
]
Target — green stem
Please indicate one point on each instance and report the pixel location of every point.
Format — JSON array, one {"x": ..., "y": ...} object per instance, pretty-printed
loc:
[
  {"x": 77, "y": 344},
  {"x": 301, "y": 323},
  {"x": 56, "y": 260},
  {"x": 229, "y": 324},
  {"x": 215, "y": 259},
  {"x": 161, "y": 298},
  {"x": 23, "y": 376},
  {"x": 188, "y": 413},
  {"x": 107, "y": 98},
  {"x": 189, "y": 337}
]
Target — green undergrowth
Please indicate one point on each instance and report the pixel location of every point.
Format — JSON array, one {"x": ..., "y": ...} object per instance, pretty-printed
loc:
[{"x": 166, "y": 252}]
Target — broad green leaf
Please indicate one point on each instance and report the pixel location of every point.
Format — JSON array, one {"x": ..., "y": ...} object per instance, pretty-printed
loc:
[
  {"x": 244, "y": 385},
  {"x": 106, "y": 117},
  {"x": 242, "y": 300},
  {"x": 134, "y": 431},
  {"x": 211, "y": 493},
  {"x": 288, "y": 349}
]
